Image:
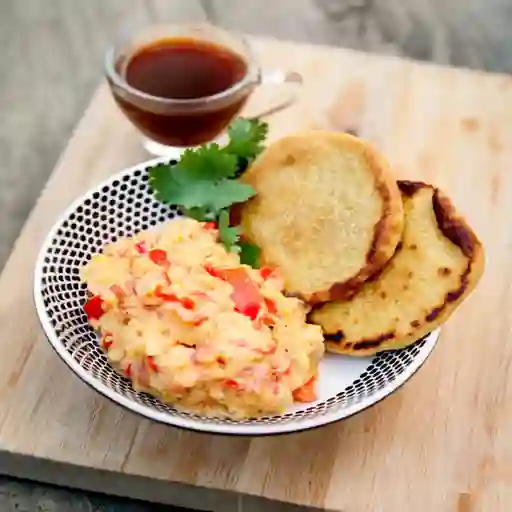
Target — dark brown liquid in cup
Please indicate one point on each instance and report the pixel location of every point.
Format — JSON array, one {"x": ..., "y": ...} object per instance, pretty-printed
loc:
[{"x": 183, "y": 68}]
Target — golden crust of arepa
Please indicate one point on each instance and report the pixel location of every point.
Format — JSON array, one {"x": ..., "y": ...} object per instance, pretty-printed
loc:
[
  {"x": 327, "y": 212},
  {"x": 436, "y": 266}
]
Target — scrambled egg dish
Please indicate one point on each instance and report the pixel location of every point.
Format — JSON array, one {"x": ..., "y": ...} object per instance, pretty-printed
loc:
[{"x": 188, "y": 323}]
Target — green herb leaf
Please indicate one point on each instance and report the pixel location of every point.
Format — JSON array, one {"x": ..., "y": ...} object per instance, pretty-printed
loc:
[
  {"x": 229, "y": 236},
  {"x": 161, "y": 181},
  {"x": 229, "y": 192},
  {"x": 173, "y": 186},
  {"x": 202, "y": 198},
  {"x": 250, "y": 254},
  {"x": 209, "y": 162},
  {"x": 246, "y": 138},
  {"x": 202, "y": 214}
]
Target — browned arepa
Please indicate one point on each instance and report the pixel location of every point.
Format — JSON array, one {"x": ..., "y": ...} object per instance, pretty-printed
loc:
[
  {"x": 436, "y": 266},
  {"x": 327, "y": 212}
]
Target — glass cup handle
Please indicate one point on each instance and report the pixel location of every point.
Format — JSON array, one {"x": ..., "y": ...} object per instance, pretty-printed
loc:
[
  {"x": 275, "y": 78},
  {"x": 281, "y": 77}
]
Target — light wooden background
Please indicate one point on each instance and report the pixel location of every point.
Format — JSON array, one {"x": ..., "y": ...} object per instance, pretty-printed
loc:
[{"x": 51, "y": 58}]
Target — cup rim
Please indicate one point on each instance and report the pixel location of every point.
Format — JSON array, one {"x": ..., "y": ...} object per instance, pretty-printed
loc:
[{"x": 252, "y": 69}]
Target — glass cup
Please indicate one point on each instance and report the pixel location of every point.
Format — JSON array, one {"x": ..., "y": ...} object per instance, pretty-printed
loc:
[{"x": 171, "y": 124}]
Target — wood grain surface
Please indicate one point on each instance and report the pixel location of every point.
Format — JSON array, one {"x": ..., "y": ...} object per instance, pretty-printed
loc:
[{"x": 441, "y": 443}]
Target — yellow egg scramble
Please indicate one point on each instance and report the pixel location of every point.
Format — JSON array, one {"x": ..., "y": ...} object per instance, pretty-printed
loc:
[{"x": 188, "y": 323}]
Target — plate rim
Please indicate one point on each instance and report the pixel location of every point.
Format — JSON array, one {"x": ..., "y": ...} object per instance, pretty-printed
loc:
[{"x": 181, "y": 421}]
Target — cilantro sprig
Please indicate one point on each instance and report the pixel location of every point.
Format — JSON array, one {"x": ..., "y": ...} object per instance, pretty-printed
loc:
[
  {"x": 246, "y": 138},
  {"x": 204, "y": 182},
  {"x": 229, "y": 235}
]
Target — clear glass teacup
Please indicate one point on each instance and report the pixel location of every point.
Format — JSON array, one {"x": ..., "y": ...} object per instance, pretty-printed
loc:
[{"x": 182, "y": 84}]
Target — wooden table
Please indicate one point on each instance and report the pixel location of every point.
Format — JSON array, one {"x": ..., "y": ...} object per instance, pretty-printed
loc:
[{"x": 442, "y": 443}]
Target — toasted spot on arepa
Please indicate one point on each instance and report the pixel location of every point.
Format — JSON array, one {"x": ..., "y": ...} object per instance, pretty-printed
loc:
[{"x": 437, "y": 265}]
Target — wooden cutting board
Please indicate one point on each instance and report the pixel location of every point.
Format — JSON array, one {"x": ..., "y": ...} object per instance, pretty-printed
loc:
[{"x": 442, "y": 443}]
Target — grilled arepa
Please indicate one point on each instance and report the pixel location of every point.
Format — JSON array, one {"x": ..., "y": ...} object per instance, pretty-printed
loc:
[
  {"x": 436, "y": 266},
  {"x": 327, "y": 212}
]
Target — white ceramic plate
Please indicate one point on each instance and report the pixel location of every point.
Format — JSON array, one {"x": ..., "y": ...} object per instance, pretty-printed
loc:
[{"x": 122, "y": 206}]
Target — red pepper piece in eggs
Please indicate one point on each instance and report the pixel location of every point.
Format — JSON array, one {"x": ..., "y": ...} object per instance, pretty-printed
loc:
[
  {"x": 141, "y": 247},
  {"x": 151, "y": 364},
  {"x": 158, "y": 257},
  {"x": 266, "y": 272},
  {"x": 94, "y": 308},
  {"x": 306, "y": 393},
  {"x": 246, "y": 294}
]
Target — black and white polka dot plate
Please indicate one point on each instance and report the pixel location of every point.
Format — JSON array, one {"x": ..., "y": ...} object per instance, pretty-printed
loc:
[{"x": 122, "y": 206}]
